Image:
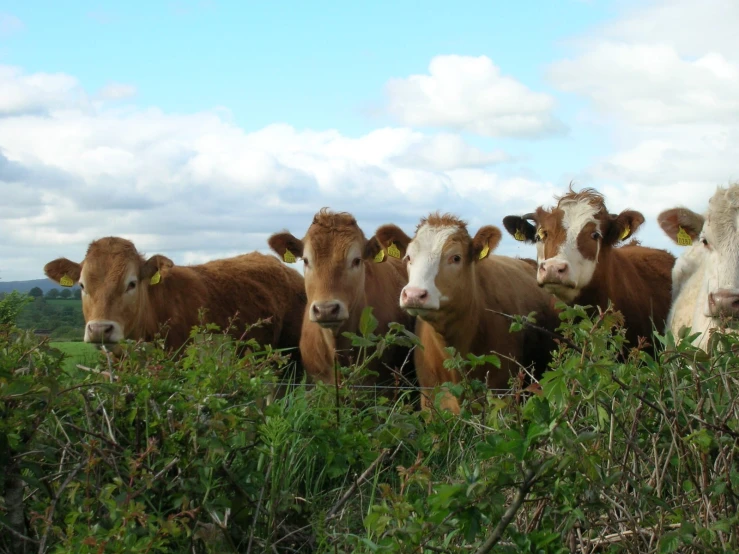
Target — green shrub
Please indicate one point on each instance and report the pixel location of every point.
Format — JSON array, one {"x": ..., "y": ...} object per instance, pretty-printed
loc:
[{"x": 212, "y": 452}]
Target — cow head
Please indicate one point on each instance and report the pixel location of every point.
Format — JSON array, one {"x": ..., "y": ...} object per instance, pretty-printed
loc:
[
  {"x": 114, "y": 279},
  {"x": 714, "y": 242},
  {"x": 570, "y": 239},
  {"x": 334, "y": 253},
  {"x": 441, "y": 259}
]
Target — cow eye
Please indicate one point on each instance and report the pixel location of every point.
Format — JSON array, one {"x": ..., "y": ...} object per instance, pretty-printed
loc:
[
  {"x": 704, "y": 241},
  {"x": 597, "y": 236},
  {"x": 356, "y": 262},
  {"x": 131, "y": 286},
  {"x": 541, "y": 235},
  {"x": 305, "y": 262},
  {"x": 407, "y": 258},
  {"x": 82, "y": 286},
  {"x": 455, "y": 259}
]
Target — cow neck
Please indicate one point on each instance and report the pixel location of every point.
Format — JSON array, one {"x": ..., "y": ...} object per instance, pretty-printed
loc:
[
  {"x": 595, "y": 293},
  {"x": 458, "y": 324},
  {"x": 339, "y": 342}
]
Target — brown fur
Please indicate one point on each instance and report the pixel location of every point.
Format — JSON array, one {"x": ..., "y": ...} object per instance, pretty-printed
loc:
[
  {"x": 637, "y": 279},
  {"x": 254, "y": 285},
  {"x": 329, "y": 276},
  {"x": 466, "y": 323}
]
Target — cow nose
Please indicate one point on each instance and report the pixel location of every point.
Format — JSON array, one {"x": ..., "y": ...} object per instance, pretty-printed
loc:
[
  {"x": 723, "y": 303},
  {"x": 100, "y": 332},
  {"x": 551, "y": 270},
  {"x": 329, "y": 310},
  {"x": 414, "y": 297}
]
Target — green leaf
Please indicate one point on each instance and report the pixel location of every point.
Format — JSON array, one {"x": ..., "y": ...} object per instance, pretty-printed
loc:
[
  {"x": 367, "y": 322},
  {"x": 669, "y": 542}
]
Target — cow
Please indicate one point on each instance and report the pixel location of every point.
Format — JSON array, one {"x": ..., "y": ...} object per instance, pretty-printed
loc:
[
  {"x": 455, "y": 287},
  {"x": 705, "y": 291},
  {"x": 580, "y": 261},
  {"x": 342, "y": 278},
  {"x": 127, "y": 296}
]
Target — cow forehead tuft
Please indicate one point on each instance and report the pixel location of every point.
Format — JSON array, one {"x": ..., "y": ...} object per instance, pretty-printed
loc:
[
  {"x": 438, "y": 219},
  {"x": 112, "y": 247},
  {"x": 432, "y": 238}
]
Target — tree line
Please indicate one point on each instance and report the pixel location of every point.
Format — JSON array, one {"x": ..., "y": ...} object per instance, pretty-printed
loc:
[{"x": 53, "y": 294}]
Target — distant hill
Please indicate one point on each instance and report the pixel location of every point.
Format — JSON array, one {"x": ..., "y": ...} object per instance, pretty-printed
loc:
[{"x": 25, "y": 286}]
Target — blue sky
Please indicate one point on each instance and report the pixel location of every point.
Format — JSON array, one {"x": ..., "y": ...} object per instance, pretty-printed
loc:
[
  {"x": 197, "y": 128},
  {"x": 316, "y": 65}
]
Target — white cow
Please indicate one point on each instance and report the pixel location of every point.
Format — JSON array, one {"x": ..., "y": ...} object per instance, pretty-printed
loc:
[{"x": 705, "y": 290}]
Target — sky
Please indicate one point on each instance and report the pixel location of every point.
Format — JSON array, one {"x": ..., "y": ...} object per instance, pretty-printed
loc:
[{"x": 197, "y": 128}]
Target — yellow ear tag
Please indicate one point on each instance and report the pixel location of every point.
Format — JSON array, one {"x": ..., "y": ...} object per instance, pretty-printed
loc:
[
  {"x": 625, "y": 233},
  {"x": 484, "y": 251},
  {"x": 518, "y": 235},
  {"x": 393, "y": 251},
  {"x": 155, "y": 278},
  {"x": 683, "y": 238},
  {"x": 540, "y": 233},
  {"x": 66, "y": 281},
  {"x": 380, "y": 256},
  {"x": 289, "y": 257}
]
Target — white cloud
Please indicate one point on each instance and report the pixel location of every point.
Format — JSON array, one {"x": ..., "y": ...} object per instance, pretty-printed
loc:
[
  {"x": 38, "y": 92},
  {"x": 116, "y": 91},
  {"x": 10, "y": 24},
  {"x": 471, "y": 94},
  {"x": 650, "y": 84},
  {"x": 663, "y": 80},
  {"x": 196, "y": 186}
]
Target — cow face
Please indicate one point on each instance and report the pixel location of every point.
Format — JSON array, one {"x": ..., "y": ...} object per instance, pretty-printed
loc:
[
  {"x": 114, "y": 279},
  {"x": 713, "y": 255},
  {"x": 440, "y": 261},
  {"x": 334, "y": 253},
  {"x": 570, "y": 238}
]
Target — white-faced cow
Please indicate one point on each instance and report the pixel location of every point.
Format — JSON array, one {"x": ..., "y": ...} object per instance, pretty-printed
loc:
[
  {"x": 342, "y": 277},
  {"x": 580, "y": 262},
  {"x": 705, "y": 288},
  {"x": 454, "y": 287},
  {"x": 126, "y": 296}
]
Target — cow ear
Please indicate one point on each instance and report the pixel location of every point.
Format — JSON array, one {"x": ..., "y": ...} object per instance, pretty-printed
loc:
[
  {"x": 520, "y": 228},
  {"x": 63, "y": 271},
  {"x": 393, "y": 240},
  {"x": 682, "y": 225},
  {"x": 485, "y": 241},
  {"x": 286, "y": 246},
  {"x": 622, "y": 226},
  {"x": 156, "y": 268},
  {"x": 373, "y": 250}
]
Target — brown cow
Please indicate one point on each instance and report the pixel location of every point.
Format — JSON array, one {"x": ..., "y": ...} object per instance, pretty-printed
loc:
[
  {"x": 341, "y": 279},
  {"x": 454, "y": 283},
  {"x": 580, "y": 263},
  {"x": 126, "y": 296}
]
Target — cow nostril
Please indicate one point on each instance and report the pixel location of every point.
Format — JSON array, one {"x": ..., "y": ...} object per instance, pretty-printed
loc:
[
  {"x": 333, "y": 309},
  {"x": 316, "y": 309},
  {"x": 423, "y": 295},
  {"x": 562, "y": 269},
  {"x": 108, "y": 330}
]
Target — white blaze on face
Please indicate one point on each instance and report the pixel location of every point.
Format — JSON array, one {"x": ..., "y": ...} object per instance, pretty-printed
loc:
[
  {"x": 424, "y": 254},
  {"x": 721, "y": 256},
  {"x": 704, "y": 270},
  {"x": 576, "y": 215}
]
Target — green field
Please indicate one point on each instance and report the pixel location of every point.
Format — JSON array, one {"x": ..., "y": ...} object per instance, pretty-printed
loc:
[
  {"x": 78, "y": 353},
  {"x": 61, "y": 303}
]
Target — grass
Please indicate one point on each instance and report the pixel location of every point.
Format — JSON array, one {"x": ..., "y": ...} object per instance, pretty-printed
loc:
[
  {"x": 61, "y": 303},
  {"x": 77, "y": 353}
]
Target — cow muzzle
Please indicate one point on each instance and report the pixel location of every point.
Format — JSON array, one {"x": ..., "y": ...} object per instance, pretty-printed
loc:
[
  {"x": 329, "y": 313},
  {"x": 723, "y": 303},
  {"x": 417, "y": 300},
  {"x": 103, "y": 331},
  {"x": 554, "y": 272}
]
